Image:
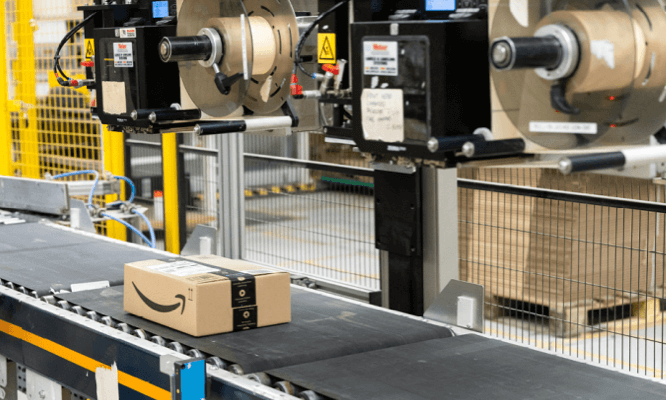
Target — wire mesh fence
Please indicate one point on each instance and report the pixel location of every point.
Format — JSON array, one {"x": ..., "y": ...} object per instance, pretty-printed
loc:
[
  {"x": 580, "y": 277},
  {"x": 52, "y": 130},
  {"x": 144, "y": 156},
  {"x": 306, "y": 218},
  {"x": 200, "y": 157}
]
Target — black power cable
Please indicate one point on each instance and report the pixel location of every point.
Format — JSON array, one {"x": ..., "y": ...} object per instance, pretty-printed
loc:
[
  {"x": 57, "y": 69},
  {"x": 301, "y": 43}
]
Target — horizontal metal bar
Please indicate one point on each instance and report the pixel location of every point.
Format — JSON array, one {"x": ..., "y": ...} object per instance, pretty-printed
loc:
[
  {"x": 549, "y": 194},
  {"x": 198, "y": 150},
  {"x": 143, "y": 143},
  {"x": 82, "y": 188},
  {"x": 313, "y": 165},
  {"x": 35, "y": 195}
]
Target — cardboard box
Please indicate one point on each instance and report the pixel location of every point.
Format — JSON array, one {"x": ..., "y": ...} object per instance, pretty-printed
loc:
[{"x": 207, "y": 295}]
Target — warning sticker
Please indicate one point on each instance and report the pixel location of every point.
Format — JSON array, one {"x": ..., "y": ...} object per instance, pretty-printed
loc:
[
  {"x": 381, "y": 58},
  {"x": 128, "y": 33},
  {"x": 90, "y": 49},
  {"x": 123, "y": 55},
  {"x": 326, "y": 49}
]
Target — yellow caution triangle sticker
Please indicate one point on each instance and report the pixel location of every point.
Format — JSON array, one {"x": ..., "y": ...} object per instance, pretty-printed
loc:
[
  {"x": 90, "y": 49},
  {"x": 327, "y": 48}
]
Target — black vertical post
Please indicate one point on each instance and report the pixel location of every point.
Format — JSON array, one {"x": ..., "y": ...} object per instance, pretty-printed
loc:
[
  {"x": 183, "y": 194},
  {"x": 398, "y": 230}
]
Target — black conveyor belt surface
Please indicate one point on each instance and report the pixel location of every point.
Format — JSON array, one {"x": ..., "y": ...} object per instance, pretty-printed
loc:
[
  {"x": 322, "y": 327},
  {"x": 465, "y": 367},
  {"x": 41, "y": 257}
]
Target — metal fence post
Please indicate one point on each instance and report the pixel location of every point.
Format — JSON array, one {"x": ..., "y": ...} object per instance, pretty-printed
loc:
[
  {"x": 232, "y": 196},
  {"x": 6, "y": 159},
  {"x": 113, "y": 144},
  {"x": 173, "y": 169},
  {"x": 25, "y": 74}
]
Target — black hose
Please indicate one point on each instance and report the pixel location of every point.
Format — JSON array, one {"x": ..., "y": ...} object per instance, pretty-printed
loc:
[
  {"x": 57, "y": 69},
  {"x": 308, "y": 32}
]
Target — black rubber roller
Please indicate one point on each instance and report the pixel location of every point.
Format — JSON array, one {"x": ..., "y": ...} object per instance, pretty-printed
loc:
[
  {"x": 186, "y": 48},
  {"x": 220, "y": 127},
  {"x": 592, "y": 162},
  {"x": 526, "y": 52}
]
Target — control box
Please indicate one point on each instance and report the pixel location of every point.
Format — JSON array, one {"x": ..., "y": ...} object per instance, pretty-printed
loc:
[
  {"x": 122, "y": 52},
  {"x": 415, "y": 80}
]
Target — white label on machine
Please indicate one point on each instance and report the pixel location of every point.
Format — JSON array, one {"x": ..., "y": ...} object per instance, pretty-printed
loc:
[
  {"x": 123, "y": 55},
  {"x": 381, "y": 58},
  {"x": 584, "y": 128},
  {"x": 128, "y": 33},
  {"x": 182, "y": 268},
  {"x": 383, "y": 115}
]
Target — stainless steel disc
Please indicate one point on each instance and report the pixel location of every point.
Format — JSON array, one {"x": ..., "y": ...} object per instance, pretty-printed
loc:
[
  {"x": 268, "y": 91},
  {"x": 623, "y": 115},
  {"x": 231, "y": 20}
]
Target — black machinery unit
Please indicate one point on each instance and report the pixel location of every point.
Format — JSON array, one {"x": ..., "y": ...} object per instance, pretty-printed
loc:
[
  {"x": 432, "y": 74},
  {"x": 128, "y": 71}
]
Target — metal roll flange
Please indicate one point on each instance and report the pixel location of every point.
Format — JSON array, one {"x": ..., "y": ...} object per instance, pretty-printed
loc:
[
  {"x": 231, "y": 21},
  {"x": 271, "y": 20},
  {"x": 583, "y": 76}
]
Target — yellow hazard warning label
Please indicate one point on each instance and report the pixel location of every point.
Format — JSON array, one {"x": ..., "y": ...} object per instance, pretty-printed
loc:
[
  {"x": 326, "y": 52},
  {"x": 90, "y": 49}
]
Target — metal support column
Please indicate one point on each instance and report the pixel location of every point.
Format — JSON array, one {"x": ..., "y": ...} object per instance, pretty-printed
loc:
[
  {"x": 398, "y": 231},
  {"x": 6, "y": 160},
  {"x": 173, "y": 168},
  {"x": 113, "y": 145},
  {"x": 440, "y": 231},
  {"x": 232, "y": 196},
  {"x": 25, "y": 74}
]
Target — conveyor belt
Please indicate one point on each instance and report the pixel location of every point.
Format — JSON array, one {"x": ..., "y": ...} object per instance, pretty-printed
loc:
[
  {"x": 465, "y": 367},
  {"x": 322, "y": 328},
  {"x": 41, "y": 257}
]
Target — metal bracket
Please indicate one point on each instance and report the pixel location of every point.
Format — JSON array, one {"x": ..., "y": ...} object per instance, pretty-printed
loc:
[
  {"x": 42, "y": 388},
  {"x": 395, "y": 168},
  {"x": 460, "y": 304},
  {"x": 3, "y": 371},
  {"x": 203, "y": 242},
  {"x": 79, "y": 217}
]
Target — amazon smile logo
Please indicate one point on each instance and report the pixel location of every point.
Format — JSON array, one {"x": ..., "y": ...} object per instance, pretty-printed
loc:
[{"x": 161, "y": 308}]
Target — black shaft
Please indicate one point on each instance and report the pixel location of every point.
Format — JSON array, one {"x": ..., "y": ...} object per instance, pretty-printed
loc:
[
  {"x": 220, "y": 127},
  {"x": 452, "y": 143},
  {"x": 186, "y": 48},
  {"x": 592, "y": 162},
  {"x": 174, "y": 115},
  {"x": 526, "y": 52},
  {"x": 496, "y": 148}
]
